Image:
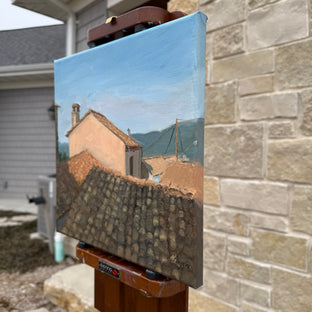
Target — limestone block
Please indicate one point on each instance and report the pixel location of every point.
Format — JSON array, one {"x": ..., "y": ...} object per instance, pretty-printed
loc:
[
  {"x": 203, "y": 2},
  {"x": 246, "y": 307},
  {"x": 253, "y": 195},
  {"x": 220, "y": 104},
  {"x": 208, "y": 46},
  {"x": 310, "y": 257},
  {"x": 268, "y": 222},
  {"x": 228, "y": 41},
  {"x": 306, "y": 123},
  {"x": 61, "y": 288},
  {"x": 242, "y": 66},
  {"x": 268, "y": 106},
  {"x": 255, "y": 85},
  {"x": 253, "y": 4},
  {"x": 234, "y": 151},
  {"x": 186, "y": 6},
  {"x": 221, "y": 286},
  {"x": 199, "y": 302},
  {"x": 248, "y": 269},
  {"x": 291, "y": 291},
  {"x": 221, "y": 14},
  {"x": 281, "y": 130},
  {"x": 70, "y": 246},
  {"x": 290, "y": 160},
  {"x": 255, "y": 293},
  {"x": 239, "y": 245},
  {"x": 208, "y": 73},
  {"x": 214, "y": 251},
  {"x": 226, "y": 221},
  {"x": 290, "y": 71},
  {"x": 279, "y": 249},
  {"x": 286, "y": 18},
  {"x": 211, "y": 191},
  {"x": 310, "y": 14},
  {"x": 301, "y": 210}
]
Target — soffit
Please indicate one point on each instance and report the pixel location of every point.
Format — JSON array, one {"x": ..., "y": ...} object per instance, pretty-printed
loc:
[{"x": 49, "y": 8}]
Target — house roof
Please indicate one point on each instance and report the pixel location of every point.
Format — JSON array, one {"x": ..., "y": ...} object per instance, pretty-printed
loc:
[
  {"x": 32, "y": 45},
  {"x": 188, "y": 176},
  {"x": 79, "y": 165},
  {"x": 109, "y": 125},
  {"x": 158, "y": 164}
]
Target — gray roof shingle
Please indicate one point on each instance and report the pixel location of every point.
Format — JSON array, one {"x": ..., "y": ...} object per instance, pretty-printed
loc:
[{"x": 32, "y": 45}]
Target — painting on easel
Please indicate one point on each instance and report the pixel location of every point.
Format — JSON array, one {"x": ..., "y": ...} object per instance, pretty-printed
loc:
[{"x": 130, "y": 147}]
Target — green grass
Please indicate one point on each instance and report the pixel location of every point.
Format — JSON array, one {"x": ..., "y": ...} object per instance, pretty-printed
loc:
[{"x": 18, "y": 253}]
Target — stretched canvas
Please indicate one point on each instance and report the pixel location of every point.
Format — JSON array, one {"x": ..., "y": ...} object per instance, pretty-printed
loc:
[{"x": 130, "y": 147}]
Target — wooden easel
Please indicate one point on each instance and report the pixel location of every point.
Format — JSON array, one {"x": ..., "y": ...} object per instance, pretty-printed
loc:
[{"x": 121, "y": 286}]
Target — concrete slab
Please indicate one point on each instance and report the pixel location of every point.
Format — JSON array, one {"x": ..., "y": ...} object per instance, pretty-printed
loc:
[
  {"x": 17, "y": 220},
  {"x": 72, "y": 288},
  {"x": 9, "y": 223},
  {"x": 27, "y": 218},
  {"x": 19, "y": 205},
  {"x": 38, "y": 310}
]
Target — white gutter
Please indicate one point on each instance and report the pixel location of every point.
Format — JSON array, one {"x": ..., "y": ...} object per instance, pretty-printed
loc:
[
  {"x": 26, "y": 70},
  {"x": 70, "y": 26}
]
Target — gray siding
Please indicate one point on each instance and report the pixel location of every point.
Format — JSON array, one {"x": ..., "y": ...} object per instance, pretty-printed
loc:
[
  {"x": 27, "y": 140},
  {"x": 93, "y": 15}
]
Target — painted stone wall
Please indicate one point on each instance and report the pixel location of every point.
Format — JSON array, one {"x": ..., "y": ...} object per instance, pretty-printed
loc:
[
  {"x": 258, "y": 157},
  {"x": 100, "y": 141}
]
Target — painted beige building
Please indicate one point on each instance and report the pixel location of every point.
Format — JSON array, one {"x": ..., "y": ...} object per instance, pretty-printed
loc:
[{"x": 108, "y": 144}]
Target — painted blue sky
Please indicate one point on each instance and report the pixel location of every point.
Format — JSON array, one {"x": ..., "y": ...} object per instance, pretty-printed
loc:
[{"x": 142, "y": 82}]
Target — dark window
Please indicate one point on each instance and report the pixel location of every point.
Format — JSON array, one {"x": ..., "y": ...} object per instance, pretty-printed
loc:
[{"x": 131, "y": 165}]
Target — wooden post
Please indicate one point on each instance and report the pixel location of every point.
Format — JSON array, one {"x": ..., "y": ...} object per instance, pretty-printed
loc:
[{"x": 121, "y": 286}]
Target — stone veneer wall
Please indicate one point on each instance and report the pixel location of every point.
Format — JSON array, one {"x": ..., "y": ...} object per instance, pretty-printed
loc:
[{"x": 258, "y": 156}]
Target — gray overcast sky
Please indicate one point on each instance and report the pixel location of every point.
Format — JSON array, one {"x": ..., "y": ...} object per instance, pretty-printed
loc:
[{"x": 13, "y": 17}]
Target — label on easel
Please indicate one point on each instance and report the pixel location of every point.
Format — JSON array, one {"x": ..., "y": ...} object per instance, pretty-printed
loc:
[{"x": 108, "y": 269}]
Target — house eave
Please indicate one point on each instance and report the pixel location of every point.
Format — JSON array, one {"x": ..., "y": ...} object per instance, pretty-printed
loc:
[
  {"x": 27, "y": 69},
  {"x": 48, "y": 8},
  {"x": 26, "y": 76},
  {"x": 117, "y": 7}
]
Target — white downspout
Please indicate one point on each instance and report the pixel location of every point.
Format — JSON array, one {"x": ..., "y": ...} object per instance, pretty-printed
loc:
[
  {"x": 71, "y": 34},
  {"x": 70, "y": 26}
]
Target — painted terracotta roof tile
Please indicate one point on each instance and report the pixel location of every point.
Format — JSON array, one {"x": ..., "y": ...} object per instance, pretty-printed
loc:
[
  {"x": 147, "y": 223},
  {"x": 109, "y": 125},
  {"x": 159, "y": 164},
  {"x": 188, "y": 176}
]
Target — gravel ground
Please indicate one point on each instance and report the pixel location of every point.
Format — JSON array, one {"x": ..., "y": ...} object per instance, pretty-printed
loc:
[
  {"x": 24, "y": 266},
  {"x": 23, "y": 292}
]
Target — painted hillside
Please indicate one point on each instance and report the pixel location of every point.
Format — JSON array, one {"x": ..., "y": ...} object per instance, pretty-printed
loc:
[{"x": 190, "y": 140}]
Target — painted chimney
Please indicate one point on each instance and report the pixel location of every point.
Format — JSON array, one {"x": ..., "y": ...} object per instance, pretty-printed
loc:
[{"x": 75, "y": 114}]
